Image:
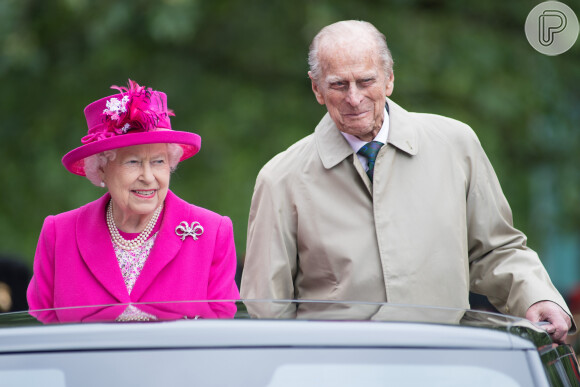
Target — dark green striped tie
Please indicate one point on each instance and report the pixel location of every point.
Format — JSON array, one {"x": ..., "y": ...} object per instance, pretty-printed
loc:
[{"x": 370, "y": 151}]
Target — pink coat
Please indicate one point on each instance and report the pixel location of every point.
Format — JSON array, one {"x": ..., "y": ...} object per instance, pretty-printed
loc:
[{"x": 75, "y": 264}]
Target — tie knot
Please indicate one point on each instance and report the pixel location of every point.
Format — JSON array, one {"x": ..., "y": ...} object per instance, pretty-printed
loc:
[{"x": 370, "y": 150}]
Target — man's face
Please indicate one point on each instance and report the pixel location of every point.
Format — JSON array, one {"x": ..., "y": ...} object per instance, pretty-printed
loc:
[{"x": 353, "y": 86}]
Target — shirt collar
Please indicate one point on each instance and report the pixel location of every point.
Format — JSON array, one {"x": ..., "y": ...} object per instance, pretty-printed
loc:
[{"x": 356, "y": 143}]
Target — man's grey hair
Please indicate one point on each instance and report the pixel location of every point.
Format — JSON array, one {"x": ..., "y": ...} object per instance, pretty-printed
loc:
[
  {"x": 347, "y": 28},
  {"x": 95, "y": 162}
]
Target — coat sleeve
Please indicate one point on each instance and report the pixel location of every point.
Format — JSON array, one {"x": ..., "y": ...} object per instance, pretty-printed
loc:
[
  {"x": 222, "y": 285},
  {"x": 40, "y": 293},
  {"x": 501, "y": 265},
  {"x": 271, "y": 250}
]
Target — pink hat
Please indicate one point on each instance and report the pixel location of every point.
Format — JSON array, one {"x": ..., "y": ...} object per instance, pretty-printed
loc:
[{"x": 138, "y": 115}]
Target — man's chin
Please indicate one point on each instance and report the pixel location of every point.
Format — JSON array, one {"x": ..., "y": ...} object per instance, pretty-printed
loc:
[{"x": 357, "y": 130}]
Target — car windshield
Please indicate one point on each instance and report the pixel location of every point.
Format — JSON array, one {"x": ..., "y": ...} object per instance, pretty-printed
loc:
[
  {"x": 331, "y": 344},
  {"x": 281, "y": 310},
  {"x": 262, "y": 309}
]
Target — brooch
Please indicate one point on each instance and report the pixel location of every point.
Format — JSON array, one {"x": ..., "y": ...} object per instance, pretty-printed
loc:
[{"x": 184, "y": 230}]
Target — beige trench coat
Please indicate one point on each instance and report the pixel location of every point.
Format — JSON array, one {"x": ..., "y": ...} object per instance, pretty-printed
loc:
[{"x": 433, "y": 225}]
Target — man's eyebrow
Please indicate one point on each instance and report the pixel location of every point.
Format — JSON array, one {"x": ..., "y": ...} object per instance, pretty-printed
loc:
[
  {"x": 372, "y": 75},
  {"x": 333, "y": 79}
]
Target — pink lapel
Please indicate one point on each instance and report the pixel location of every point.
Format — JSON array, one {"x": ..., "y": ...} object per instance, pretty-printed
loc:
[
  {"x": 167, "y": 244},
  {"x": 97, "y": 250}
]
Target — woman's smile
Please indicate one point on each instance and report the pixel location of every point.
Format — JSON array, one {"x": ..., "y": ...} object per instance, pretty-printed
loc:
[{"x": 146, "y": 194}]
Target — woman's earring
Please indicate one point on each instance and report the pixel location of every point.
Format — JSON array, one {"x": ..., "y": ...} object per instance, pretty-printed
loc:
[{"x": 102, "y": 184}]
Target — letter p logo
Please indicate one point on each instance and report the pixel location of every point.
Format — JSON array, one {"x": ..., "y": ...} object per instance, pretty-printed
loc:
[
  {"x": 551, "y": 28},
  {"x": 551, "y": 22}
]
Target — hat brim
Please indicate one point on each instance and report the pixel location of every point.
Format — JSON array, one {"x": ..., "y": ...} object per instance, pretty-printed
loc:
[{"x": 73, "y": 161}]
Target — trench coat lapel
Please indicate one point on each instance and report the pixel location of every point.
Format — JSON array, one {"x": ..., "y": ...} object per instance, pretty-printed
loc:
[
  {"x": 97, "y": 250},
  {"x": 402, "y": 129},
  {"x": 167, "y": 245},
  {"x": 332, "y": 146}
]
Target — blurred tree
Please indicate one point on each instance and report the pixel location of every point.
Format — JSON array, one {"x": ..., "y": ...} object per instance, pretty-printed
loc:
[{"x": 235, "y": 72}]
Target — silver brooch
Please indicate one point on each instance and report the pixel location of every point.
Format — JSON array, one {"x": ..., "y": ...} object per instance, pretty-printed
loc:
[{"x": 184, "y": 230}]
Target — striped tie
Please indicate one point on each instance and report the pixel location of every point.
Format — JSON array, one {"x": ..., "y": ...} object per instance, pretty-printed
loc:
[{"x": 370, "y": 151}]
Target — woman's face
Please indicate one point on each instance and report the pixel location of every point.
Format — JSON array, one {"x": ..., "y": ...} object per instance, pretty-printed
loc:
[{"x": 138, "y": 178}]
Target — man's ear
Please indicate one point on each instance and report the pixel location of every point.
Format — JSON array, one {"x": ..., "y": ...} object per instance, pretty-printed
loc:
[
  {"x": 390, "y": 84},
  {"x": 316, "y": 89}
]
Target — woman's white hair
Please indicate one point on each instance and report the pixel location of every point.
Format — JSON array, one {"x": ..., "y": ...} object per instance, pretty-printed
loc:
[
  {"x": 344, "y": 29},
  {"x": 95, "y": 162}
]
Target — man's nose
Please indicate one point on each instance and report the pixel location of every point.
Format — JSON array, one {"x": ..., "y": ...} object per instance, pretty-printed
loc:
[{"x": 354, "y": 96}]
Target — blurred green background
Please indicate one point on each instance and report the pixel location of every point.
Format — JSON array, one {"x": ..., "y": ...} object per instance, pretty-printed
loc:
[{"x": 235, "y": 73}]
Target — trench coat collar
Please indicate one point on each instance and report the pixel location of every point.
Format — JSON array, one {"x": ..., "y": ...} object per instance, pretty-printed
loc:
[
  {"x": 333, "y": 147},
  {"x": 403, "y": 129},
  {"x": 97, "y": 249}
]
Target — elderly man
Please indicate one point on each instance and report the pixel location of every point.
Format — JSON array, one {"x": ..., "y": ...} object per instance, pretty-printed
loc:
[{"x": 383, "y": 205}]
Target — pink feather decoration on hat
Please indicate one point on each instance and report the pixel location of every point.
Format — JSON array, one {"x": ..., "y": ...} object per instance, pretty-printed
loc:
[{"x": 140, "y": 108}]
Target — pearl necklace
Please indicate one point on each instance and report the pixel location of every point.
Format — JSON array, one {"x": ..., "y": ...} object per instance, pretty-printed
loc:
[{"x": 134, "y": 243}]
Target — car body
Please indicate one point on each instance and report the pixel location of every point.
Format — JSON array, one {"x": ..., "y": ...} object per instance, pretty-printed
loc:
[{"x": 398, "y": 346}]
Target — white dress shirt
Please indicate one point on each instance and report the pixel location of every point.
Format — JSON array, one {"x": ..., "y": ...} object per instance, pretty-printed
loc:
[{"x": 356, "y": 143}]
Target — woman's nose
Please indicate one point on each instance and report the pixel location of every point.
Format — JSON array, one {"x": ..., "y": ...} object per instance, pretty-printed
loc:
[{"x": 147, "y": 172}]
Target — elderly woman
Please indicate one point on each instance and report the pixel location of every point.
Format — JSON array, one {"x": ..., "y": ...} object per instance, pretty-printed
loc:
[{"x": 139, "y": 243}]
